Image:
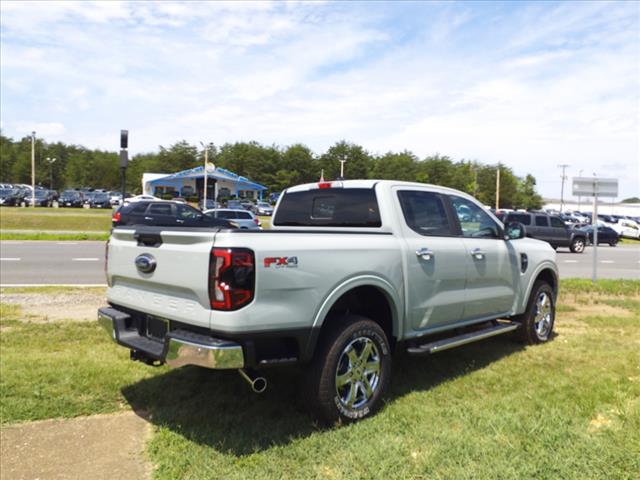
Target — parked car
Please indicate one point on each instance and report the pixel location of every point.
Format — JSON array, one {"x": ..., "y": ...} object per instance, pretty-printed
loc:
[
  {"x": 142, "y": 198},
  {"x": 234, "y": 204},
  {"x": 43, "y": 198},
  {"x": 211, "y": 204},
  {"x": 100, "y": 200},
  {"x": 243, "y": 218},
  {"x": 71, "y": 198},
  {"x": 247, "y": 205},
  {"x": 549, "y": 228},
  {"x": 346, "y": 277},
  {"x": 11, "y": 197},
  {"x": 164, "y": 213},
  {"x": 605, "y": 235},
  {"x": 263, "y": 208}
]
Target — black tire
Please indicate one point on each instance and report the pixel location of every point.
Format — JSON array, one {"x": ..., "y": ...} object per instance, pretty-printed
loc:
[
  {"x": 536, "y": 329},
  {"x": 614, "y": 243},
  {"x": 577, "y": 245},
  {"x": 322, "y": 395}
]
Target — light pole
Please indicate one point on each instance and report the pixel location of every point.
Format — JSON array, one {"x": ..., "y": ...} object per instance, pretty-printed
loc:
[
  {"x": 206, "y": 160},
  {"x": 342, "y": 162},
  {"x": 563, "y": 167},
  {"x": 33, "y": 169},
  {"x": 51, "y": 161}
]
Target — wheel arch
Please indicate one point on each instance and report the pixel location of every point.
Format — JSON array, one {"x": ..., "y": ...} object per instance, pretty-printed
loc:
[
  {"x": 369, "y": 296},
  {"x": 545, "y": 272}
]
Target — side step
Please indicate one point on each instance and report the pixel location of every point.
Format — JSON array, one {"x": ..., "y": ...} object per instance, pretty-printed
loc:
[{"x": 447, "y": 343}]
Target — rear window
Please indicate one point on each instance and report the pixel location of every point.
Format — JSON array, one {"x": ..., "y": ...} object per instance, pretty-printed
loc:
[
  {"x": 243, "y": 215},
  {"x": 333, "y": 207}
]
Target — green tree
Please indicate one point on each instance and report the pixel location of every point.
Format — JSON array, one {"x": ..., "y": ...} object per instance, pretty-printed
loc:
[
  {"x": 358, "y": 162},
  {"x": 395, "y": 166}
]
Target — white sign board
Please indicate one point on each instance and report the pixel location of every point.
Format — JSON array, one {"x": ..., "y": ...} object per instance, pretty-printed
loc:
[{"x": 593, "y": 186}]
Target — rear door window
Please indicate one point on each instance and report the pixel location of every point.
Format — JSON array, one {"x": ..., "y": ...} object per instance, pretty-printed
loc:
[
  {"x": 542, "y": 221},
  {"x": 333, "y": 207},
  {"x": 160, "y": 209},
  {"x": 556, "y": 222},
  {"x": 425, "y": 213}
]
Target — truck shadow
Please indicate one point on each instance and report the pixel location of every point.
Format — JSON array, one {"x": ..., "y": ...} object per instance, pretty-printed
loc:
[{"x": 219, "y": 410}]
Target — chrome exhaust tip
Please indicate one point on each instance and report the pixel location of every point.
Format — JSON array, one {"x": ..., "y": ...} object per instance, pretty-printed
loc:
[{"x": 258, "y": 383}]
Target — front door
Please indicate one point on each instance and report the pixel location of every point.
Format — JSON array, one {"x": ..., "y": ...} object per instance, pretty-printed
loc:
[
  {"x": 435, "y": 261},
  {"x": 493, "y": 264}
]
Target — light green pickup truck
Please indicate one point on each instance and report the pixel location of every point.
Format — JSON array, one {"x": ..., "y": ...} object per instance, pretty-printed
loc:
[{"x": 350, "y": 272}]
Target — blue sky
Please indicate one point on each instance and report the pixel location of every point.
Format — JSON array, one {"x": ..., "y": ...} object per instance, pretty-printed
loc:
[{"x": 531, "y": 85}]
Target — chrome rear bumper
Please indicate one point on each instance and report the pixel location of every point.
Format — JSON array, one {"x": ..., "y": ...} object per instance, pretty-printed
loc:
[{"x": 179, "y": 348}]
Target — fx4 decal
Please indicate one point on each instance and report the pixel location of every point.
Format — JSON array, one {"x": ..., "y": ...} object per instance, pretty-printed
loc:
[{"x": 281, "y": 262}]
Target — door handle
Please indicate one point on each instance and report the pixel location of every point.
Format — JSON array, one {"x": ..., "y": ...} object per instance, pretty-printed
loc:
[
  {"x": 148, "y": 218},
  {"x": 477, "y": 254},
  {"x": 425, "y": 253},
  {"x": 179, "y": 221}
]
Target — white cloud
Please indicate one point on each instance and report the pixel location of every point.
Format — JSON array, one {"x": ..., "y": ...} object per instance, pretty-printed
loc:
[{"x": 533, "y": 87}]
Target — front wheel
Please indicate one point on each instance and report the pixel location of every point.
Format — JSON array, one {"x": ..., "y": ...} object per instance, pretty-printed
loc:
[
  {"x": 539, "y": 318},
  {"x": 613, "y": 243},
  {"x": 577, "y": 245},
  {"x": 350, "y": 371}
]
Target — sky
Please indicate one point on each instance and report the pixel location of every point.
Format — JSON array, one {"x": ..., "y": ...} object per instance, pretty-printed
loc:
[{"x": 529, "y": 84}]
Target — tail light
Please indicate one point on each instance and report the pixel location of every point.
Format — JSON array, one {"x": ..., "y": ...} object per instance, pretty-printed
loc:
[
  {"x": 256, "y": 221},
  {"x": 116, "y": 217},
  {"x": 231, "y": 278}
]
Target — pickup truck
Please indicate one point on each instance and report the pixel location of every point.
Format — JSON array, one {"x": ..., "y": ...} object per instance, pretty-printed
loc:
[
  {"x": 350, "y": 272},
  {"x": 549, "y": 228}
]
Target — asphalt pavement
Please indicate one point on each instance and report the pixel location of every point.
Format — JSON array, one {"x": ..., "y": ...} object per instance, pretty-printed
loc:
[{"x": 82, "y": 263}]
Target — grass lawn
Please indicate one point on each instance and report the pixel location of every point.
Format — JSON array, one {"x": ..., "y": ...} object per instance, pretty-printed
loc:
[
  {"x": 494, "y": 409},
  {"x": 79, "y": 219},
  {"x": 44, "y": 223}
]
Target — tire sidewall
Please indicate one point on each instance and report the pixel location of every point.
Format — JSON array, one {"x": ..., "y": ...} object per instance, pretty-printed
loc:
[
  {"x": 334, "y": 409},
  {"x": 574, "y": 245},
  {"x": 530, "y": 321}
]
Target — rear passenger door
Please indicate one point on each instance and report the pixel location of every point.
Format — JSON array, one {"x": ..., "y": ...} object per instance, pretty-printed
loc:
[
  {"x": 559, "y": 232},
  {"x": 541, "y": 229},
  {"x": 435, "y": 260},
  {"x": 492, "y": 263}
]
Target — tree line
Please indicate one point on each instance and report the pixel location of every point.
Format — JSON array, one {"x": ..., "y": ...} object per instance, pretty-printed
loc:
[{"x": 274, "y": 166}]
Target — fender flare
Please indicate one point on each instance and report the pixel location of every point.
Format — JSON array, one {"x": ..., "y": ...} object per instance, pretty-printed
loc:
[
  {"x": 393, "y": 297},
  {"x": 545, "y": 265}
]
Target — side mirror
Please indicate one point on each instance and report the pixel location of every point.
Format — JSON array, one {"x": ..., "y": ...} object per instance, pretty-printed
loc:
[{"x": 514, "y": 231}]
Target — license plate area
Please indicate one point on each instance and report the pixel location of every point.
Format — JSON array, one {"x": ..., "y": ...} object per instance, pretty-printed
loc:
[{"x": 157, "y": 327}]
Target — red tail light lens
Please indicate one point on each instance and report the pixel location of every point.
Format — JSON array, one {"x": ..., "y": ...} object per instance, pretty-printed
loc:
[
  {"x": 231, "y": 278},
  {"x": 116, "y": 217},
  {"x": 256, "y": 221}
]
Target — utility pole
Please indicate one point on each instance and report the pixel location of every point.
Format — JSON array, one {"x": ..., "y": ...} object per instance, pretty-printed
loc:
[
  {"x": 342, "y": 168},
  {"x": 206, "y": 161},
  {"x": 498, "y": 188},
  {"x": 33, "y": 169},
  {"x": 124, "y": 160},
  {"x": 563, "y": 167},
  {"x": 579, "y": 196}
]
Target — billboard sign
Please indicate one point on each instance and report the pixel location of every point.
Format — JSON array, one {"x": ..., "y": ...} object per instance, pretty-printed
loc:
[{"x": 593, "y": 186}]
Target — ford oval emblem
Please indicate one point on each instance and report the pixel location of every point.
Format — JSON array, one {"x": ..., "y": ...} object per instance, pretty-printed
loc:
[{"x": 145, "y": 263}]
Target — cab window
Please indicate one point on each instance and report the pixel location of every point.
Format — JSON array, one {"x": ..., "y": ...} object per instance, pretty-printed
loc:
[
  {"x": 474, "y": 221},
  {"x": 424, "y": 213}
]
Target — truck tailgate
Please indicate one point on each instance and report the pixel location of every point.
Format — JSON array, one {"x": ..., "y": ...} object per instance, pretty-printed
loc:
[{"x": 178, "y": 286}]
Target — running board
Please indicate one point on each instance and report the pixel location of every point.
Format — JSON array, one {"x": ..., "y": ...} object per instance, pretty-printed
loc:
[{"x": 447, "y": 343}]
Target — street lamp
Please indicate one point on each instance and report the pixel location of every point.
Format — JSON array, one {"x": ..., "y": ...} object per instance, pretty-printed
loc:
[
  {"x": 51, "y": 161},
  {"x": 33, "y": 169},
  {"x": 342, "y": 162},
  {"x": 206, "y": 160}
]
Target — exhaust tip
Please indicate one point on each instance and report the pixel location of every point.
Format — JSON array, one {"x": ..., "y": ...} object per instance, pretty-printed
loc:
[{"x": 259, "y": 385}]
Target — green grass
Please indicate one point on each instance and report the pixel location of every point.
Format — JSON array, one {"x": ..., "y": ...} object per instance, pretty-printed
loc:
[
  {"x": 79, "y": 219},
  {"x": 566, "y": 409},
  {"x": 53, "y": 236},
  {"x": 577, "y": 286}
]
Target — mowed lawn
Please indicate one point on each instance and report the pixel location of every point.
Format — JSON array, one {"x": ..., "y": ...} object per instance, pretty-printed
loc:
[
  {"x": 494, "y": 409},
  {"x": 90, "y": 224}
]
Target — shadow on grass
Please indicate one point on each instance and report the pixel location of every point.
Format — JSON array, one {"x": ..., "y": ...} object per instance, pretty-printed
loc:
[{"x": 219, "y": 410}]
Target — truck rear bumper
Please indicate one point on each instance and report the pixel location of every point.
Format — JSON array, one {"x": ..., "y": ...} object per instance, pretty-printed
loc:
[{"x": 179, "y": 347}]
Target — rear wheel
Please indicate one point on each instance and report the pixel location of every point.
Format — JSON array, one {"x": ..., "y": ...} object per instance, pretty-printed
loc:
[
  {"x": 539, "y": 317},
  {"x": 577, "y": 245},
  {"x": 350, "y": 371},
  {"x": 613, "y": 243}
]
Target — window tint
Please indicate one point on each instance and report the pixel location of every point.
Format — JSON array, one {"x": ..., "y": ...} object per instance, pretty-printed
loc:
[
  {"x": 335, "y": 207},
  {"x": 474, "y": 221},
  {"x": 523, "y": 218},
  {"x": 556, "y": 222},
  {"x": 187, "y": 213},
  {"x": 424, "y": 213},
  {"x": 541, "y": 221},
  {"x": 226, "y": 214},
  {"x": 243, "y": 215},
  {"x": 139, "y": 208},
  {"x": 160, "y": 209}
]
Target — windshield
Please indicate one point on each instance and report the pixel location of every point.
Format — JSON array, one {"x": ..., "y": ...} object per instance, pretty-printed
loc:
[
  {"x": 70, "y": 194},
  {"x": 264, "y": 205},
  {"x": 41, "y": 193}
]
